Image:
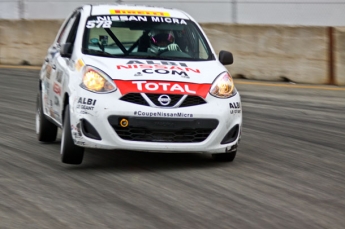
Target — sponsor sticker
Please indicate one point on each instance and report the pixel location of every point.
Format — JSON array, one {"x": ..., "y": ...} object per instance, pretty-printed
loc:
[
  {"x": 163, "y": 68},
  {"x": 79, "y": 64},
  {"x": 56, "y": 101},
  {"x": 162, "y": 87},
  {"x": 86, "y": 103},
  {"x": 80, "y": 143},
  {"x": 57, "y": 88},
  {"x": 235, "y": 108},
  {"x": 107, "y": 21},
  {"x": 59, "y": 76},
  {"x": 163, "y": 114},
  {"x": 76, "y": 130},
  {"x": 140, "y": 12}
]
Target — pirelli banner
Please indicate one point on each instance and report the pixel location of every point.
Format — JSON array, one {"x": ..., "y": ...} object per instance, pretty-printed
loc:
[{"x": 140, "y": 12}]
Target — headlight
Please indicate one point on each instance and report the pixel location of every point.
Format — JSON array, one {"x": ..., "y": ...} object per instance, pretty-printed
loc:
[
  {"x": 96, "y": 81},
  {"x": 223, "y": 87}
]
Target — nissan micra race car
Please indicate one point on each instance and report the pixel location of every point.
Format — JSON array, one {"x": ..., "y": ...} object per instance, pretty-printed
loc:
[{"x": 137, "y": 78}]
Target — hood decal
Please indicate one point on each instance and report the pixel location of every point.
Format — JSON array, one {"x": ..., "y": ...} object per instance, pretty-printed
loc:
[
  {"x": 162, "y": 87},
  {"x": 199, "y": 72}
]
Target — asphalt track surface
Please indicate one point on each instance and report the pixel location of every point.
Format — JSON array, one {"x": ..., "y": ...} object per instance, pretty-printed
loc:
[{"x": 289, "y": 171}]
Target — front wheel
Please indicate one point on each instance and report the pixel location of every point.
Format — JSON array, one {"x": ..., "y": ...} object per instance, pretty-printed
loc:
[
  {"x": 224, "y": 157},
  {"x": 70, "y": 153}
]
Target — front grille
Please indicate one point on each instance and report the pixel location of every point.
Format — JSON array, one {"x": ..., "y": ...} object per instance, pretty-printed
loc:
[
  {"x": 179, "y": 130},
  {"x": 146, "y": 135},
  {"x": 134, "y": 98},
  {"x": 137, "y": 98},
  {"x": 192, "y": 100}
]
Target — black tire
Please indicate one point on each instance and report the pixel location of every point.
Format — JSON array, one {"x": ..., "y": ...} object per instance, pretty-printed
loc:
[
  {"x": 224, "y": 157},
  {"x": 46, "y": 131},
  {"x": 70, "y": 153}
]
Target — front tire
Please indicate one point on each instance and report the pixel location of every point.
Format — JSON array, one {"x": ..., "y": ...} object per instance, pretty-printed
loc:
[
  {"x": 224, "y": 157},
  {"x": 45, "y": 130},
  {"x": 70, "y": 153}
]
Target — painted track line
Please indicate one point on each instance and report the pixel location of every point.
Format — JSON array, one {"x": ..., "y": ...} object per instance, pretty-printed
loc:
[
  {"x": 306, "y": 86},
  {"x": 21, "y": 67}
]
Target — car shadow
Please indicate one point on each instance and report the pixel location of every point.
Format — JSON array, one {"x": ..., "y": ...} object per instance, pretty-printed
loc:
[{"x": 137, "y": 161}]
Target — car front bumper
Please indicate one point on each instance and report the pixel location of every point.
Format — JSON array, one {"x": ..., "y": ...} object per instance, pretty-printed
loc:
[{"x": 103, "y": 121}]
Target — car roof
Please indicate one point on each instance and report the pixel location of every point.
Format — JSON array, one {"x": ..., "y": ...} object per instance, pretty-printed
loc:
[{"x": 145, "y": 10}]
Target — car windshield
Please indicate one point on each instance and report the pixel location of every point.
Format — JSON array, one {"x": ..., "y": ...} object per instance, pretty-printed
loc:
[{"x": 145, "y": 37}]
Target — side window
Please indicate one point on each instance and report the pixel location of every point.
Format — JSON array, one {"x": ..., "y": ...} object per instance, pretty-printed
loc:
[
  {"x": 203, "y": 54},
  {"x": 61, "y": 34},
  {"x": 63, "y": 30},
  {"x": 200, "y": 48},
  {"x": 67, "y": 28},
  {"x": 73, "y": 30}
]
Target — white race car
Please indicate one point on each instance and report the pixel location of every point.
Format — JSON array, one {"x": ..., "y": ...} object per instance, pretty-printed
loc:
[{"x": 137, "y": 78}]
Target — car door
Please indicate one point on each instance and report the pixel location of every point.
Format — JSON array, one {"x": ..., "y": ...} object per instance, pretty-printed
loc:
[
  {"x": 58, "y": 69},
  {"x": 63, "y": 65}
]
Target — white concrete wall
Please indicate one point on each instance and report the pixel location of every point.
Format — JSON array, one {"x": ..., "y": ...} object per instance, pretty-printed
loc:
[
  {"x": 265, "y": 52},
  {"x": 9, "y": 9},
  {"x": 339, "y": 48},
  {"x": 267, "y": 12},
  {"x": 296, "y": 53},
  {"x": 292, "y": 12}
]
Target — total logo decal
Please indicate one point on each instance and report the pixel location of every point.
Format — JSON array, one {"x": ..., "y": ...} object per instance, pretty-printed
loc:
[{"x": 164, "y": 87}]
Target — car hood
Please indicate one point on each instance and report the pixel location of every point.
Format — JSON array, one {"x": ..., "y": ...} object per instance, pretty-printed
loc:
[{"x": 157, "y": 70}]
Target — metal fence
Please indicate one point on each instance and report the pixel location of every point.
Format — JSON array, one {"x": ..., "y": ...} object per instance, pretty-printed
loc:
[{"x": 280, "y": 12}]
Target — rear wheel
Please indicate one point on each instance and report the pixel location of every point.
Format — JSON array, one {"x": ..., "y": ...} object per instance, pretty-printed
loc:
[
  {"x": 224, "y": 157},
  {"x": 45, "y": 130},
  {"x": 70, "y": 153}
]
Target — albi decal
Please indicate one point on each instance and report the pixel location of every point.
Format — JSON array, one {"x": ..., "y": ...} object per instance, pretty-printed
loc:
[
  {"x": 236, "y": 105},
  {"x": 235, "y": 108},
  {"x": 86, "y": 103}
]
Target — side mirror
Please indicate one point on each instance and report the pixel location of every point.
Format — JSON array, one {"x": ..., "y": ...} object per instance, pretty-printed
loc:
[
  {"x": 226, "y": 57},
  {"x": 65, "y": 50}
]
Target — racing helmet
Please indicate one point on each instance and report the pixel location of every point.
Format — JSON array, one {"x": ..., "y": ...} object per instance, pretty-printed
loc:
[{"x": 160, "y": 39}]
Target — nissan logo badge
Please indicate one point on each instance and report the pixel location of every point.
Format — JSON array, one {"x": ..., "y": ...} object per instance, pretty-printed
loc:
[{"x": 164, "y": 100}]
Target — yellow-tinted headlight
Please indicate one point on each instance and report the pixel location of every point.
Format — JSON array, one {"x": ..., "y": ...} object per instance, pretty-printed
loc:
[
  {"x": 96, "y": 81},
  {"x": 223, "y": 86},
  {"x": 93, "y": 81}
]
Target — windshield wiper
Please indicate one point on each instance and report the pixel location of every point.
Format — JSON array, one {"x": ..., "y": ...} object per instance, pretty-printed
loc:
[{"x": 153, "y": 57}]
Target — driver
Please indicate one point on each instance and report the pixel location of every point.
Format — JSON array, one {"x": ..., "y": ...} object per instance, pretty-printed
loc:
[{"x": 162, "y": 40}]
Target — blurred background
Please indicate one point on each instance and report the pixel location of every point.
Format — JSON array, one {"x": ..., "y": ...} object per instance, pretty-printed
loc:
[
  {"x": 276, "y": 40},
  {"x": 289, "y": 172},
  {"x": 269, "y": 12}
]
